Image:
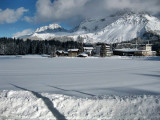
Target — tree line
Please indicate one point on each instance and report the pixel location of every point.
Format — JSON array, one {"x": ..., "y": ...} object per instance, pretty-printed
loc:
[{"x": 12, "y": 46}]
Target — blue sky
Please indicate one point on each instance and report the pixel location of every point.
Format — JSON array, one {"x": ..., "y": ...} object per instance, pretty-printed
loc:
[
  {"x": 9, "y": 29},
  {"x": 24, "y": 16}
]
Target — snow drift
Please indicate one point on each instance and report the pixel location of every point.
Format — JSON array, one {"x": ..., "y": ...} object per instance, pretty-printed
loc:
[{"x": 32, "y": 105}]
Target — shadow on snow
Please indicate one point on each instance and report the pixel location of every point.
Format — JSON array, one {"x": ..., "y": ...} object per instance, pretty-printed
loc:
[
  {"x": 73, "y": 91},
  {"x": 47, "y": 102},
  {"x": 129, "y": 91}
]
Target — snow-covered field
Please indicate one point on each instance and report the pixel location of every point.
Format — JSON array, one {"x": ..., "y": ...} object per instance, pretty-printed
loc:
[{"x": 38, "y": 87}]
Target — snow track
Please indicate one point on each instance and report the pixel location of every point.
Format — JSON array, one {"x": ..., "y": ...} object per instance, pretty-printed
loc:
[
  {"x": 48, "y": 103},
  {"x": 32, "y": 105}
]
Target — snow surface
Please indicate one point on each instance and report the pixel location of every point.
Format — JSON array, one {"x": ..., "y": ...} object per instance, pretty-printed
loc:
[
  {"x": 79, "y": 88},
  {"x": 96, "y": 76},
  {"x": 31, "y": 105}
]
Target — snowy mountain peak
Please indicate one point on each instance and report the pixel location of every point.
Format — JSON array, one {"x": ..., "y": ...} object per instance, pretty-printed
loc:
[
  {"x": 128, "y": 27},
  {"x": 121, "y": 26},
  {"x": 135, "y": 19},
  {"x": 97, "y": 24},
  {"x": 50, "y": 27},
  {"x": 138, "y": 18},
  {"x": 54, "y": 26},
  {"x": 150, "y": 23}
]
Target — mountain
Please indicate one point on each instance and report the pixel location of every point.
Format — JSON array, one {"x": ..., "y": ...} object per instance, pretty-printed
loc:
[
  {"x": 95, "y": 25},
  {"x": 50, "y": 29},
  {"x": 114, "y": 28},
  {"x": 126, "y": 28},
  {"x": 47, "y": 32}
]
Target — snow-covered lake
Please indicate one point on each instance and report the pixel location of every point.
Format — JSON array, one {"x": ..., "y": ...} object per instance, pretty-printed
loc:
[{"x": 79, "y": 88}]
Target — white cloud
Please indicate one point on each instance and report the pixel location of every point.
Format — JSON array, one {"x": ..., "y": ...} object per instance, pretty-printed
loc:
[
  {"x": 10, "y": 15},
  {"x": 57, "y": 10},
  {"x": 23, "y": 33},
  {"x": 75, "y": 10},
  {"x": 28, "y": 19}
]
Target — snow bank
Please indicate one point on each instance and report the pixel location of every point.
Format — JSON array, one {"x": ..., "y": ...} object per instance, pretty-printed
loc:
[
  {"x": 32, "y": 105},
  {"x": 23, "y": 56},
  {"x": 35, "y": 56}
]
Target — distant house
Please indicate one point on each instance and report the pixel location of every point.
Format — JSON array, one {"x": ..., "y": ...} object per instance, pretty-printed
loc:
[
  {"x": 65, "y": 53},
  {"x": 73, "y": 52},
  {"x": 82, "y": 55},
  {"x": 88, "y": 50},
  {"x": 61, "y": 53}
]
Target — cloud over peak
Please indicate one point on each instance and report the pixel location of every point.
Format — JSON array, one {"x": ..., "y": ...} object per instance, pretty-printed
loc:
[
  {"x": 74, "y": 10},
  {"x": 10, "y": 15},
  {"x": 23, "y": 33}
]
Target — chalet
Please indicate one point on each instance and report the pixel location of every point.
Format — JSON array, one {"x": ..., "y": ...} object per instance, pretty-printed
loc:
[
  {"x": 65, "y": 53},
  {"x": 82, "y": 55},
  {"x": 73, "y": 52},
  {"x": 61, "y": 53}
]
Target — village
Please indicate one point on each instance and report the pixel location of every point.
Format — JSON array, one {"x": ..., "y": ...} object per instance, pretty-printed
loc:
[{"x": 107, "y": 50}]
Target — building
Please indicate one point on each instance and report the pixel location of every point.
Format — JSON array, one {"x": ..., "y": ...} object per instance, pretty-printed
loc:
[
  {"x": 88, "y": 50},
  {"x": 108, "y": 51},
  {"x": 97, "y": 50},
  {"x": 73, "y": 52},
  {"x": 82, "y": 55},
  {"x": 143, "y": 50},
  {"x": 105, "y": 51},
  {"x": 65, "y": 53},
  {"x": 124, "y": 52},
  {"x": 61, "y": 53}
]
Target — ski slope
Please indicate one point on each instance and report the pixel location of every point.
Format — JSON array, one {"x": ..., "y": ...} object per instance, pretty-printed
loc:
[{"x": 38, "y": 87}]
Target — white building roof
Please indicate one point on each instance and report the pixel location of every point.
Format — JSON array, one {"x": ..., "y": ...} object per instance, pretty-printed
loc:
[
  {"x": 73, "y": 50},
  {"x": 83, "y": 55},
  {"x": 88, "y": 48},
  {"x": 60, "y": 51},
  {"x": 127, "y": 50}
]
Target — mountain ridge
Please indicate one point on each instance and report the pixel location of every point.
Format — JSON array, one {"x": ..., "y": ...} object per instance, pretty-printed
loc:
[{"x": 110, "y": 29}]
